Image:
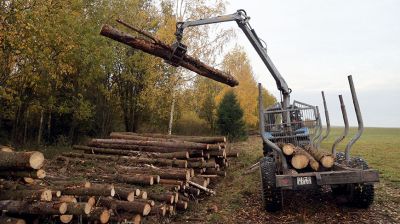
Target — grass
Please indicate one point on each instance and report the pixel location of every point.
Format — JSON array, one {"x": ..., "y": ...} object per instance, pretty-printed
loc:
[{"x": 380, "y": 147}]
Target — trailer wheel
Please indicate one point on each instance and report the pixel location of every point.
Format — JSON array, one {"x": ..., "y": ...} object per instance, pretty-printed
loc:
[
  {"x": 361, "y": 195},
  {"x": 271, "y": 195}
]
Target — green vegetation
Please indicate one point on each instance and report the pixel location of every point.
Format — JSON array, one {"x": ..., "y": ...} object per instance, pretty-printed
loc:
[
  {"x": 380, "y": 147},
  {"x": 230, "y": 118}
]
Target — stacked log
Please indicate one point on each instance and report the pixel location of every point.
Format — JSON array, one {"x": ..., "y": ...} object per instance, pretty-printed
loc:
[
  {"x": 114, "y": 180},
  {"x": 307, "y": 157}
]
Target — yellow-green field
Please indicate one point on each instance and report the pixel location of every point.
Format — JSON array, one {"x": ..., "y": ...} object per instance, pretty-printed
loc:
[{"x": 380, "y": 147}]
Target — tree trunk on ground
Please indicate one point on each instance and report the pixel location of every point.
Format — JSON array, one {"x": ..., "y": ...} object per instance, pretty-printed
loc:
[
  {"x": 36, "y": 174},
  {"x": 125, "y": 206},
  {"x": 80, "y": 208},
  {"x": 28, "y": 195},
  {"x": 94, "y": 190},
  {"x": 196, "y": 139},
  {"x": 175, "y": 174},
  {"x": 163, "y": 51},
  {"x": 166, "y": 144},
  {"x": 35, "y": 208},
  {"x": 133, "y": 160},
  {"x": 94, "y": 150},
  {"x": 32, "y": 160}
]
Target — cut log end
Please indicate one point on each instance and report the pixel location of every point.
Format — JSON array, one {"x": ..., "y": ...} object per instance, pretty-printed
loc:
[
  {"x": 66, "y": 218},
  {"x": 105, "y": 216},
  {"x": 288, "y": 149},
  {"x": 131, "y": 196},
  {"x": 327, "y": 161},
  {"x": 88, "y": 208},
  {"x": 63, "y": 208},
  {"x": 146, "y": 209},
  {"x": 299, "y": 161},
  {"x": 46, "y": 195},
  {"x": 36, "y": 160},
  {"x": 41, "y": 174}
]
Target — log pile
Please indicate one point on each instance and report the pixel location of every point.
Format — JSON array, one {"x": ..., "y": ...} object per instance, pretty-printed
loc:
[
  {"x": 128, "y": 177},
  {"x": 307, "y": 158}
]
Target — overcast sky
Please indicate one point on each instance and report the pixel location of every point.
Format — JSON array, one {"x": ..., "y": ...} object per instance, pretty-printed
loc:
[{"x": 316, "y": 44}]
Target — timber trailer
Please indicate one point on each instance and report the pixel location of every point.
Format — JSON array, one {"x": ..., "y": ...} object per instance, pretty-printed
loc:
[{"x": 299, "y": 124}]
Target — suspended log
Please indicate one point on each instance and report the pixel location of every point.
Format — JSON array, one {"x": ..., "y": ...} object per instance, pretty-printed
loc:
[
  {"x": 161, "y": 50},
  {"x": 10, "y": 220},
  {"x": 28, "y": 195},
  {"x": 20, "y": 160},
  {"x": 186, "y": 145},
  {"x": 326, "y": 159},
  {"x": 125, "y": 206},
  {"x": 34, "y": 208}
]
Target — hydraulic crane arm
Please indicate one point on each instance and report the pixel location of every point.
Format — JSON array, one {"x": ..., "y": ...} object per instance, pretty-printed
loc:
[{"x": 242, "y": 20}]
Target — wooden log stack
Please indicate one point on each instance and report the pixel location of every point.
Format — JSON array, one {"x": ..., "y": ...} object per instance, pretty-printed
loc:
[
  {"x": 307, "y": 158},
  {"x": 128, "y": 177}
]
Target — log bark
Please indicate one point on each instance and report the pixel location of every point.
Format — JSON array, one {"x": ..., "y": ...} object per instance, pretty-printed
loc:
[
  {"x": 198, "y": 139},
  {"x": 232, "y": 154},
  {"x": 35, "y": 208},
  {"x": 99, "y": 214},
  {"x": 181, "y": 205},
  {"x": 326, "y": 159},
  {"x": 125, "y": 206},
  {"x": 158, "y": 209},
  {"x": 175, "y": 174},
  {"x": 134, "y": 160},
  {"x": 94, "y": 190},
  {"x": 33, "y": 160},
  {"x": 28, "y": 195},
  {"x": 162, "y": 197},
  {"x": 202, "y": 188},
  {"x": 111, "y": 151},
  {"x": 163, "y": 51},
  {"x": 127, "y": 194},
  {"x": 36, "y": 174},
  {"x": 186, "y": 145},
  {"x": 80, "y": 208},
  {"x": 126, "y": 218},
  {"x": 10, "y": 220},
  {"x": 299, "y": 160}
]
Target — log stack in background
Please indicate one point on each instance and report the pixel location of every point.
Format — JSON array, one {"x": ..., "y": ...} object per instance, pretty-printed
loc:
[{"x": 128, "y": 177}]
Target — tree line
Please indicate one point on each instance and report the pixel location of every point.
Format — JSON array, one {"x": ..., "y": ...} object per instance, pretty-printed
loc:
[{"x": 60, "y": 81}]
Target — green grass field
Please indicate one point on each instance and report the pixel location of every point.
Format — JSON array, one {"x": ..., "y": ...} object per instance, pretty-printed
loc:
[{"x": 380, "y": 147}]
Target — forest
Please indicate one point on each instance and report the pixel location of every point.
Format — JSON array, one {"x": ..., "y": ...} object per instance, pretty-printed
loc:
[{"x": 61, "y": 82}]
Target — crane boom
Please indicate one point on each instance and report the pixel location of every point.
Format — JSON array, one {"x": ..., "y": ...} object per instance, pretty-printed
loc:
[{"x": 242, "y": 20}]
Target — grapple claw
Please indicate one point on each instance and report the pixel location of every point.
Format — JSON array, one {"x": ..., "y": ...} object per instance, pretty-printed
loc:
[{"x": 178, "y": 51}]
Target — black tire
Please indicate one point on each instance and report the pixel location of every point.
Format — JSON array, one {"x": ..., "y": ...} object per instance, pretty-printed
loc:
[
  {"x": 361, "y": 195},
  {"x": 271, "y": 195},
  {"x": 358, "y": 195}
]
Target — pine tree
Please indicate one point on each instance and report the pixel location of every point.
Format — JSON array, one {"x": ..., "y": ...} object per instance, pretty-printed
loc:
[{"x": 230, "y": 118}]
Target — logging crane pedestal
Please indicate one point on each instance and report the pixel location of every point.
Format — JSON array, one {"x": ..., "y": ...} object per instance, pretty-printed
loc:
[{"x": 299, "y": 125}]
